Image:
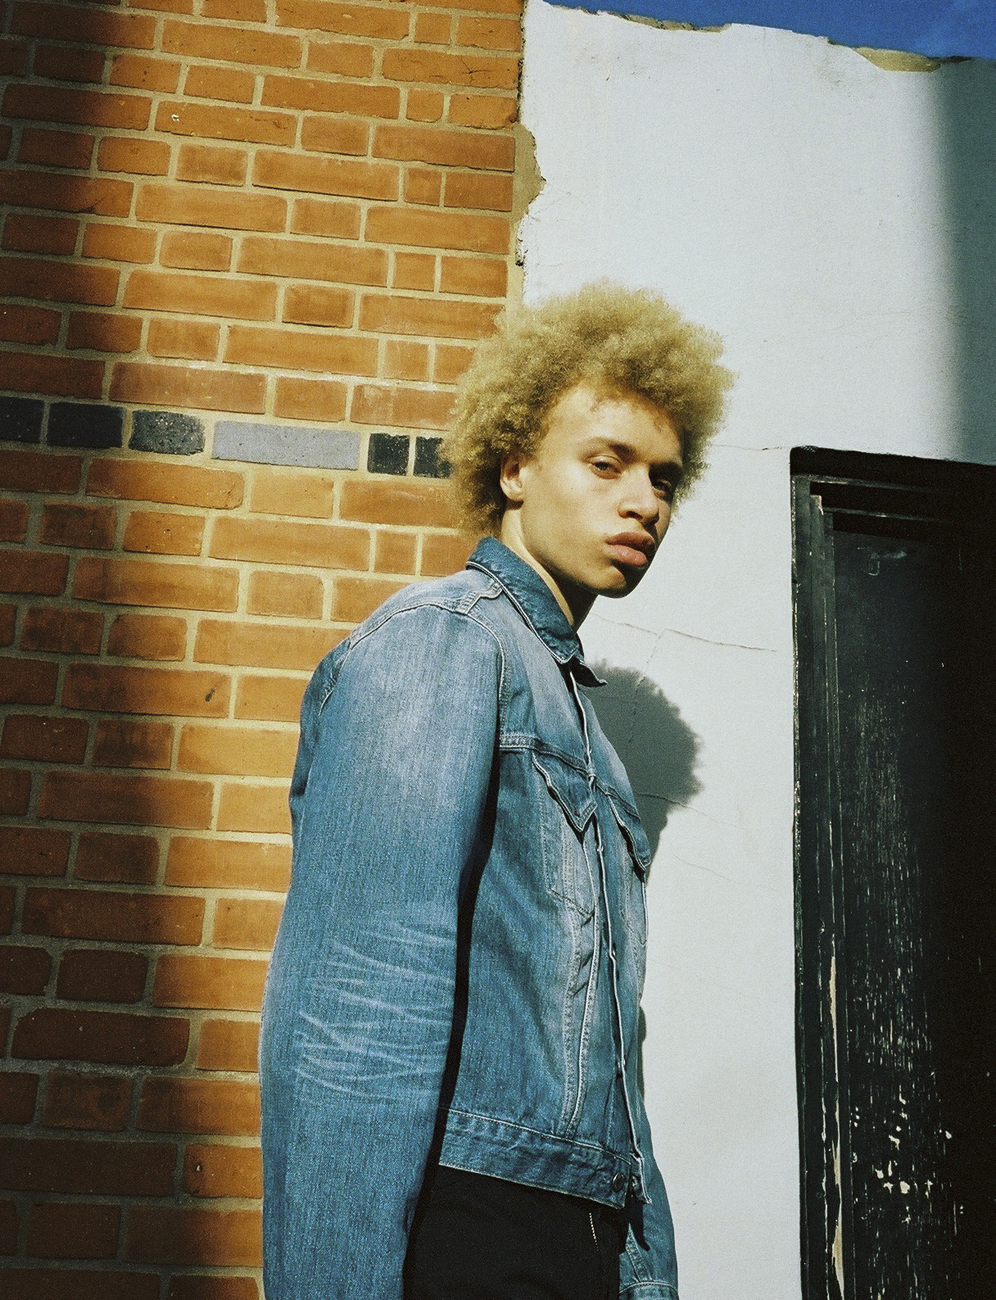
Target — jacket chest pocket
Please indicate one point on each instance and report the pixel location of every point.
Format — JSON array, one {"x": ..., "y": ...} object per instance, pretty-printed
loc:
[
  {"x": 636, "y": 848},
  {"x": 568, "y": 806}
]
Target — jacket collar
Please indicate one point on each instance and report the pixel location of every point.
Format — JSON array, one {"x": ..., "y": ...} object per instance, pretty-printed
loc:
[{"x": 536, "y": 603}]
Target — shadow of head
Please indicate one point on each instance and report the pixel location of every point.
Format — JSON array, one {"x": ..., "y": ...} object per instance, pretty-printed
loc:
[{"x": 658, "y": 749}]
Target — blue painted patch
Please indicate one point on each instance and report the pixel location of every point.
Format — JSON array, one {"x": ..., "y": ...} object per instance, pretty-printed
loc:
[{"x": 937, "y": 28}]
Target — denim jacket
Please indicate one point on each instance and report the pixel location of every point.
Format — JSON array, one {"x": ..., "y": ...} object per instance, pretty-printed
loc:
[{"x": 459, "y": 965}]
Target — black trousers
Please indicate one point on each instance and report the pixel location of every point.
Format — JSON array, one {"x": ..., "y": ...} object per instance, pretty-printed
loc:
[{"x": 480, "y": 1238}]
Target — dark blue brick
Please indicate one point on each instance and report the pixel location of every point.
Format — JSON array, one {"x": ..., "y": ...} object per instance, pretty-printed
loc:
[
  {"x": 74, "y": 424},
  {"x": 21, "y": 419},
  {"x": 166, "y": 432},
  {"x": 388, "y": 453},
  {"x": 428, "y": 462}
]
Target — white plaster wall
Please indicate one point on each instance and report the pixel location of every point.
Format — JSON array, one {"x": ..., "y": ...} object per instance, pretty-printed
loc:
[{"x": 790, "y": 194}]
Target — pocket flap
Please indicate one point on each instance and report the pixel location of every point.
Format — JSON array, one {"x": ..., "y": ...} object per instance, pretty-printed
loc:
[
  {"x": 569, "y": 787},
  {"x": 632, "y": 828}
]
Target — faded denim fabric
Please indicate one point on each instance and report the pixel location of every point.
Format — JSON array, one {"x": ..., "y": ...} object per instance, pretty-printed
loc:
[{"x": 460, "y": 960}]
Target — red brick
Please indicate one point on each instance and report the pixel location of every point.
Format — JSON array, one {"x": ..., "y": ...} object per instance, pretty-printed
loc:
[
  {"x": 451, "y": 362},
  {"x": 485, "y": 6},
  {"x": 341, "y": 176},
  {"x": 245, "y": 47},
  {"x": 17, "y": 1098},
  {"x": 118, "y": 243},
  {"x": 289, "y": 595},
  {"x": 243, "y": 11},
  {"x": 62, "y": 631},
  {"x": 246, "y": 924},
  {"x": 181, "y": 386},
  {"x": 490, "y": 33},
  {"x": 24, "y": 969},
  {"x": 404, "y": 359},
  {"x": 208, "y": 121},
  {"x": 88, "y": 1167},
  {"x": 325, "y": 95},
  {"x": 212, "y": 82},
  {"x": 341, "y": 58},
  {"x": 214, "y": 1106},
  {"x": 207, "y": 163},
  {"x": 213, "y": 1169},
  {"x": 394, "y": 552},
  {"x": 271, "y": 699},
  {"x": 8, "y": 621},
  {"x": 28, "y": 851},
  {"x": 425, "y": 105},
  {"x": 254, "y": 809},
  {"x": 130, "y": 859},
  {"x": 173, "y": 485},
  {"x": 28, "y": 681},
  {"x": 37, "y": 234},
  {"x": 13, "y": 521},
  {"x": 488, "y": 191},
  {"x": 149, "y": 582},
  {"x": 401, "y": 408},
  {"x": 322, "y": 546},
  {"x": 326, "y": 217},
  {"x": 195, "y": 340},
  {"x": 167, "y": 1235},
  {"x": 87, "y": 1101},
  {"x": 485, "y": 112},
  {"x": 69, "y": 63},
  {"x": 13, "y": 57},
  {"x": 58, "y": 281},
  {"x": 65, "y": 524},
  {"x": 129, "y": 31},
  {"x": 39, "y": 471},
  {"x": 8, "y": 1228},
  {"x": 309, "y": 493},
  {"x": 126, "y": 800},
  {"x": 104, "y": 332},
  {"x": 173, "y": 692},
  {"x": 144, "y": 73},
  {"x": 181, "y": 205},
  {"x": 348, "y": 19},
  {"x": 102, "y": 198},
  {"x": 203, "y": 295},
  {"x": 82, "y": 1284},
  {"x": 408, "y": 227},
  {"x": 28, "y": 324},
  {"x": 147, "y": 636},
  {"x": 73, "y": 1231},
  {"x": 414, "y": 271},
  {"x": 196, "y": 252},
  {"x": 354, "y": 598},
  {"x": 46, "y": 740},
  {"x": 137, "y": 157},
  {"x": 162, "y": 532},
  {"x": 33, "y": 573},
  {"x": 56, "y": 148},
  {"x": 488, "y": 72},
  {"x": 433, "y": 29},
  {"x": 228, "y": 864},
  {"x": 307, "y": 260},
  {"x": 122, "y": 743},
  {"x": 335, "y": 135},
  {"x": 309, "y": 399},
  {"x": 7, "y": 899},
  {"x": 107, "y": 1037},
  {"x": 228, "y": 1045},
  {"x": 113, "y": 917},
  {"x": 425, "y": 505},
  {"x": 54, "y": 376},
  {"x": 263, "y": 645},
  {"x": 297, "y": 350},
  {"x": 77, "y": 107},
  {"x": 236, "y": 751},
  {"x": 446, "y": 148},
  {"x": 444, "y": 553},
  {"x": 423, "y": 185},
  {"x": 92, "y": 975}
]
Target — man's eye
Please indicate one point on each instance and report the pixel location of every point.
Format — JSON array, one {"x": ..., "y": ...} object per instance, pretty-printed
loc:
[
  {"x": 603, "y": 466},
  {"x": 664, "y": 488}
]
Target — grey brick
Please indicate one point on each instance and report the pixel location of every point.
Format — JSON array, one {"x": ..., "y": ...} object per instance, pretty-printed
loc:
[
  {"x": 388, "y": 453},
  {"x": 76, "y": 424},
  {"x": 428, "y": 462},
  {"x": 277, "y": 444},
  {"x": 21, "y": 419},
  {"x": 166, "y": 432}
]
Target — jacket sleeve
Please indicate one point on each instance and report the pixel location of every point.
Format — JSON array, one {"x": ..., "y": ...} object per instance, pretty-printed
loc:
[{"x": 388, "y": 801}]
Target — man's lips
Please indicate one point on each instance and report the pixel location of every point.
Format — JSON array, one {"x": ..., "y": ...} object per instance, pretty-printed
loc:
[{"x": 636, "y": 549}]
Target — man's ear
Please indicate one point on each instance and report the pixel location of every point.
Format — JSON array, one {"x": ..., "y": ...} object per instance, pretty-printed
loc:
[{"x": 510, "y": 478}]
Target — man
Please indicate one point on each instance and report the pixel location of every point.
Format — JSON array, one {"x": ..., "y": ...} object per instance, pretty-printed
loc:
[{"x": 449, "y": 1055}]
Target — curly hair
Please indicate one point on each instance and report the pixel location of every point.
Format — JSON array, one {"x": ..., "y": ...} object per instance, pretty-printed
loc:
[{"x": 617, "y": 340}]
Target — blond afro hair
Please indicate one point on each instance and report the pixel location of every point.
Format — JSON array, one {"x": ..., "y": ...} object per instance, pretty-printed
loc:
[{"x": 617, "y": 340}]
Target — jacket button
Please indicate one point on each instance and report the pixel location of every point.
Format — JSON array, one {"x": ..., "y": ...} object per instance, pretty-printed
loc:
[{"x": 619, "y": 1182}]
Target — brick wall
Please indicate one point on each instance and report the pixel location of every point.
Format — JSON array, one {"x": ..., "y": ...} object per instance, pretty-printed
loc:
[{"x": 248, "y": 247}]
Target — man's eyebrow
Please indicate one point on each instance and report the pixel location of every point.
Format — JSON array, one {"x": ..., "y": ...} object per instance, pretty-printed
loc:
[{"x": 626, "y": 451}]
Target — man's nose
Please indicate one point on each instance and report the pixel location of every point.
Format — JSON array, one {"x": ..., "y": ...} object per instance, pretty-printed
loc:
[{"x": 640, "y": 501}]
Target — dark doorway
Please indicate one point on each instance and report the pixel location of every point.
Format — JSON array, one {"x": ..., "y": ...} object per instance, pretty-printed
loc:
[{"x": 895, "y": 562}]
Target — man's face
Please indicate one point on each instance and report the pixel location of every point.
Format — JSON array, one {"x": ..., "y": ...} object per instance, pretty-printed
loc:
[{"x": 590, "y": 508}]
